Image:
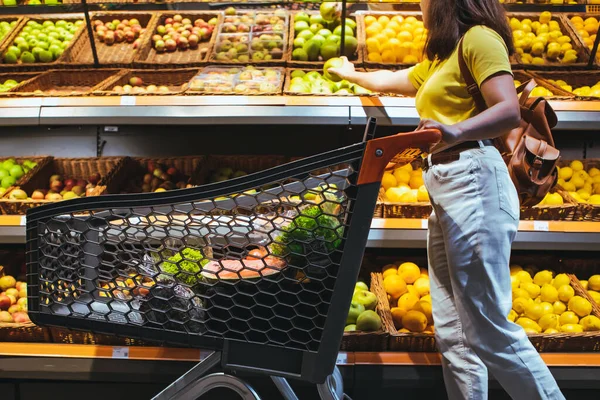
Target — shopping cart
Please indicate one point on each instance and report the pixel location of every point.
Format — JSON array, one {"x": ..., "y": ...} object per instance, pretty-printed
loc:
[{"x": 260, "y": 269}]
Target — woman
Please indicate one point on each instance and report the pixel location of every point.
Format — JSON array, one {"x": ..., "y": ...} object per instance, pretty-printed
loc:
[{"x": 476, "y": 208}]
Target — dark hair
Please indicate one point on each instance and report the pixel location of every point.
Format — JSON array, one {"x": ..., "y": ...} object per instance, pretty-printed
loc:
[{"x": 449, "y": 20}]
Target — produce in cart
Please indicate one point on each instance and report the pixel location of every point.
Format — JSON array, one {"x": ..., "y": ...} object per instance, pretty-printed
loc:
[{"x": 404, "y": 185}]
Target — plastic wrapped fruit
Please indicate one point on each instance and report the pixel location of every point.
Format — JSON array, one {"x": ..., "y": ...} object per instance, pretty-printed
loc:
[{"x": 247, "y": 80}]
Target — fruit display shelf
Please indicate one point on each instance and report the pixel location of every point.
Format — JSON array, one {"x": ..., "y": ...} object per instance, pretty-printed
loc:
[{"x": 574, "y": 80}]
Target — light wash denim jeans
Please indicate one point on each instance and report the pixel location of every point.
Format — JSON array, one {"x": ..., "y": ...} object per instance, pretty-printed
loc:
[{"x": 475, "y": 219}]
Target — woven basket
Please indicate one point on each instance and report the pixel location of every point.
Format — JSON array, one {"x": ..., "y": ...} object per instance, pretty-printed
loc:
[
  {"x": 565, "y": 212},
  {"x": 175, "y": 79},
  {"x": 41, "y": 162},
  {"x": 288, "y": 79},
  {"x": 23, "y": 332},
  {"x": 557, "y": 92},
  {"x": 128, "y": 178},
  {"x": 69, "y": 82},
  {"x": 58, "y": 63},
  {"x": 576, "y": 79},
  {"x": 228, "y": 86},
  {"x": 582, "y": 52},
  {"x": 368, "y": 341},
  {"x": 357, "y": 58},
  {"x": 117, "y": 54},
  {"x": 73, "y": 167},
  {"x": 21, "y": 77},
  {"x": 249, "y": 36},
  {"x": 586, "y": 212},
  {"x": 147, "y": 57},
  {"x": 67, "y": 336}
]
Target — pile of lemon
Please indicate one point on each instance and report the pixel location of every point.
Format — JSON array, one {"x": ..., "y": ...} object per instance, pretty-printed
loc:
[
  {"x": 548, "y": 304},
  {"x": 592, "y": 286},
  {"x": 394, "y": 39},
  {"x": 582, "y": 185},
  {"x": 593, "y": 91},
  {"x": 404, "y": 185},
  {"x": 541, "y": 41},
  {"x": 537, "y": 91},
  {"x": 407, "y": 287},
  {"x": 587, "y": 29}
]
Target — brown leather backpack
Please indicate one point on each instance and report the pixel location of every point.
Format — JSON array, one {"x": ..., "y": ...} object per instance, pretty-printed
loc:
[{"x": 528, "y": 150}]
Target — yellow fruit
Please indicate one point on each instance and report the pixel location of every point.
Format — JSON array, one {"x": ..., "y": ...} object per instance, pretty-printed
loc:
[
  {"x": 595, "y": 199},
  {"x": 549, "y": 293},
  {"x": 576, "y": 165},
  {"x": 402, "y": 175},
  {"x": 388, "y": 270},
  {"x": 375, "y": 57},
  {"x": 388, "y": 56},
  {"x": 429, "y": 329},
  {"x": 409, "y": 272},
  {"x": 514, "y": 282},
  {"x": 515, "y": 24},
  {"x": 580, "y": 306},
  {"x": 537, "y": 48},
  {"x": 545, "y": 17},
  {"x": 565, "y": 173},
  {"x": 520, "y": 303},
  {"x": 424, "y": 272},
  {"x": 425, "y": 308},
  {"x": 397, "y": 314},
  {"x": 512, "y": 316},
  {"x": 553, "y": 199},
  {"x": 538, "y": 61},
  {"x": 531, "y": 288},
  {"x": 551, "y": 330},
  {"x": 422, "y": 286},
  {"x": 568, "y": 317},
  {"x": 403, "y": 330},
  {"x": 584, "y": 284},
  {"x": 559, "y": 307},
  {"x": 571, "y": 328},
  {"x": 515, "y": 268},
  {"x": 395, "y": 286},
  {"x": 569, "y": 187},
  {"x": 411, "y": 289},
  {"x": 594, "y": 282},
  {"x": 548, "y": 321},
  {"x": 520, "y": 293},
  {"x": 590, "y": 323},
  {"x": 527, "y": 323},
  {"x": 594, "y": 172},
  {"x": 423, "y": 195},
  {"x": 369, "y": 19},
  {"x": 383, "y": 20},
  {"x": 560, "y": 280},
  {"x": 388, "y": 181},
  {"x": 394, "y": 194},
  {"x": 414, "y": 321},
  {"x": 390, "y": 33},
  {"x": 372, "y": 31},
  {"x": 543, "y": 277},
  {"x": 524, "y": 276},
  {"x": 565, "y": 293},
  {"x": 426, "y": 298},
  {"x": 409, "y": 196},
  {"x": 416, "y": 181},
  {"x": 394, "y": 25},
  {"x": 547, "y": 308},
  {"x": 373, "y": 45},
  {"x": 534, "y": 311},
  {"x": 410, "y": 59}
]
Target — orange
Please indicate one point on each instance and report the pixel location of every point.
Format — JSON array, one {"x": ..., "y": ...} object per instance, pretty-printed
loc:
[
  {"x": 397, "y": 314},
  {"x": 425, "y": 308},
  {"x": 395, "y": 286},
  {"x": 414, "y": 321},
  {"x": 407, "y": 301},
  {"x": 409, "y": 272}
]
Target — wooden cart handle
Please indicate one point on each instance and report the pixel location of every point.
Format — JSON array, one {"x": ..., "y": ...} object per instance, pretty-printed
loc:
[{"x": 379, "y": 152}]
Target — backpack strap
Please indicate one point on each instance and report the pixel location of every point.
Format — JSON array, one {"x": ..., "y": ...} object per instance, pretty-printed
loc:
[{"x": 472, "y": 87}]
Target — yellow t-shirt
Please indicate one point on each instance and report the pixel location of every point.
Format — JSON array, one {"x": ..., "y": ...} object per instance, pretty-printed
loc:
[{"x": 442, "y": 93}]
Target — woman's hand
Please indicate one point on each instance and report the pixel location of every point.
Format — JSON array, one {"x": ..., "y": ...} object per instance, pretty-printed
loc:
[
  {"x": 450, "y": 133},
  {"x": 345, "y": 71}
]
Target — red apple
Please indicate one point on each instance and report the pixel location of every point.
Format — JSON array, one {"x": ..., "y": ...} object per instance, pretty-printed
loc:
[
  {"x": 186, "y": 33},
  {"x": 183, "y": 43},
  {"x": 170, "y": 45},
  {"x": 56, "y": 186},
  {"x": 135, "y": 81},
  {"x": 94, "y": 178},
  {"x": 5, "y": 302},
  {"x": 37, "y": 195},
  {"x": 193, "y": 40},
  {"x": 137, "y": 43},
  {"x": 70, "y": 182},
  {"x": 21, "y": 317},
  {"x": 130, "y": 36},
  {"x": 109, "y": 38}
]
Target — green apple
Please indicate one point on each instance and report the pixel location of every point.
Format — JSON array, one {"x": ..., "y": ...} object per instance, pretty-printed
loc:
[
  {"x": 361, "y": 285},
  {"x": 366, "y": 298},
  {"x": 355, "y": 310},
  {"x": 368, "y": 321},
  {"x": 350, "y": 328},
  {"x": 301, "y": 16}
]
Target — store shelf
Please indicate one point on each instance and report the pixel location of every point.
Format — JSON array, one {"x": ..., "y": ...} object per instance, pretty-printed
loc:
[{"x": 236, "y": 110}]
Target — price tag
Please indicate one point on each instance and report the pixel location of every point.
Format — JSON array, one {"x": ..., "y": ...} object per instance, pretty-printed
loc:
[
  {"x": 120, "y": 352},
  {"x": 540, "y": 226},
  {"x": 342, "y": 358},
  {"x": 424, "y": 223},
  {"x": 23, "y": 220},
  {"x": 128, "y": 100}
]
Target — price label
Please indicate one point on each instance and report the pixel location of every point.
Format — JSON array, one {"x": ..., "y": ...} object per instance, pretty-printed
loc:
[
  {"x": 342, "y": 358},
  {"x": 424, "y": 223},
  {"x": 120, "y": 352},
  {"x": 128, "y": 100},
  {"x": 23, "y": 220},
  {"x": 540, "y": 226}
]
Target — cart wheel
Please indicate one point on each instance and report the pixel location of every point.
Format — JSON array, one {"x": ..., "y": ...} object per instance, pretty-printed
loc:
[
  {"x": 333, "y": 388},
  {"x": 218, "y": 380}
]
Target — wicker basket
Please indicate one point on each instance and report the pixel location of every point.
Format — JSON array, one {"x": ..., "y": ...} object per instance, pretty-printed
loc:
[
  {"x": 147, "y": 57},
  {"x": 21, "y": 77},
  {"x": 288, "y": 79},
  {"x": 576, "y": 79},
  {"x": 357, "y": 58},
  {"x": 557, "y": 92},
  {"x": 214, "y": 59},
  {"x": 23, "y": 332},
  {"x": 74, "y": 167},
  {"x": 128, "y": 178},
  {"x": 228, "y": 86},
  {"x": 58, "y": 63},
  {"x": 368, "y": 341},
  {"x": 69, "y": 82},
  {"x": 582, "y": 52},
  {"x": 41, "y": 162},
  {"x": 175, "y": 79},
  {"x": 565, "y": 212},
  {"x": 116, "y": 55},
  {"x": 585, "y": 211}
]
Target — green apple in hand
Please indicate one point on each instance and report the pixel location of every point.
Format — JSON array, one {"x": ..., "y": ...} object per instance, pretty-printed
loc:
[
  {"x": 355, "y": 310},
  {"x": 366, "y": 298}
]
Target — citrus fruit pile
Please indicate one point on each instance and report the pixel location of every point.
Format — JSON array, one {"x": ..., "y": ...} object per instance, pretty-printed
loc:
[
  {"x": 592, "y": 286},
  {"x": 587, "y": 29},
  {"x": 542, "y": 41},
  {"x": 593, "y": 91},
  {"x": 405, "y": 185},
  {"x": 537, "y": 91},
  {"x": 394, "y": 39},
  {"x": 407, "y": 287},
  {"x": 547, "y": 303},
  {"x": 582, "y": 185}
]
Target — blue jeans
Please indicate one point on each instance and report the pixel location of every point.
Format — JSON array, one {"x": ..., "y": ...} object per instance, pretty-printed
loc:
[{"x": 475, "y": 219}]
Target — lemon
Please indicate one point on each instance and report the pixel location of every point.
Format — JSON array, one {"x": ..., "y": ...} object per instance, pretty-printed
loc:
[
  {"x": 551, "y": 330},
  {"x": 590, "y": 323},
  {"x": 408, "y": 301},
  {"x": 542, "y": 277},
  {"x": 397, "y": 315},
  {"x": 594, "y": 282},
  {"x": 524, "y": 276},
  {"x": 565, "y": 173},
  {"x": 571, "y": 328},
  {"x": 514, "y": 282},
  {"x": 527, "y": 323},
  {"x": 410, "y": 272},
  {"x": 411, "y": 289},
  {"x": 547, "y": 308},
  {"x": 576, "y": 165},
  {"x": 595, "y": 199},
  {"x": 422, "y": 285},
  {"x": 414, "y": 321},
  {"x": 402, "y": 175},
  {"x": 388, "y": 270},
  {"x": 560, "y": 280},
  {"x": 415, "y": 182},
  {"x": 537, "y": 48},
  {"x": 520, "y": 293},
  {"x": 545, "y": 17},
  {"x": 549, "y": 293},
  {"x": 531, "y": 288},
  {"x": 514, "y": 269},
  {"x": 423, "y": 195},
  {"x": 534, "y": 311},
  {"x": 565, "y": 293},
  {"x": 425, "y": 308},
  {"x": 395, "y": 286},
  {"x": 580, "y": 306},
  {"x": 584, "y": 284},
  {"x": 424, "y": 272},
  {"x": 559, "y": 307},
  {"x": 594, "y": 172},
  {"x": 388, "y": 181},
  {"x": 554, "y": 199},
  {"x": 512, "y": 316},
  {"x": 520, "y": 303},
  {"x": 568, "y": 317},
  {"x": 429, "y": 329},
  {"x": 426, "y": 298},
  {"x": 548, "y": 321},
  {"x": 569, "y": 187},
  {"x": 594, "y": 295},
  {"x": 394, "y": 194}
]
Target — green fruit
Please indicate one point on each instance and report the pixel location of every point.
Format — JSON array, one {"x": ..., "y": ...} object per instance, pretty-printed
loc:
[
  {"x": 15, "y": 50},
  {"x": 350, "y": 46},
  {"x": 314, "y": 28},
  {"x": 355, "y": 310},
  {"x": 329, "y": 10},
  {"x": 43, "y": 45},
  {"x": 330, "y": 50},
  {"x": 299, "y": 42},
  {"x": 333, "y": 39},
  {"x": 3, "y": 173},
  {"x": 7, "y": 182},
  {"x": 299, "y": 55},
  {"x": 306, "y": 35},
  {"x": 324, "y": 32},
  {"x": 301, "y": 16},
  {"x": 46, "y": 56},
  {"x": 316, "y": 19},
  {"x": 10, "y": 58},
  {"x": 312, "y": 49},
  {"x": 27, "y": 58},
  {"x": 368, "y": 321},
  {"x": 23, "y": 47},
  {"x": 351, "y": 23},
  {"x": 360, "y": 90},
  {"x": 16, "y": 171},
  {"x": 338, "y": 31},
  {"x": 297, "y": 73},
  {"x": 332, "y": 63},
  {"x": 300, "y": 26},
  {"x": 312, "y": 76}
]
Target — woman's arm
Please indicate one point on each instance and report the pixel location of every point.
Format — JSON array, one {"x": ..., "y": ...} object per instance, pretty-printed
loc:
[
  {"x": 502, "y": 115},
  {"x": 379, "y": 81}
]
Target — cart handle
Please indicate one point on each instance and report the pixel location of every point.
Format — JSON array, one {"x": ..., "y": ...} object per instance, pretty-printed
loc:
[{"x": 379, "y": 152}]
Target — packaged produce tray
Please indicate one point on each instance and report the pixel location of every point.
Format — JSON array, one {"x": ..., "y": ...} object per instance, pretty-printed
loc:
[
  {"x": 576, "y": 79},
  {"x": 356, "y": 58},
  {"x": 40, "y": 161},
  {"x": 146, "y": 82},
  {"x": 64, "y": 83},
  {"x": 333, "y": 89},
  {"x": 586, "y": 211},
  {"x": 75, "y": 169},
  {"x": 252, "y": 36},
  {"x": 122, "y": 48},
  {"x": 558, "y": 93},
  {"x": 149, "y": 57},
  {"x": 20, "y": 77},
  {"x": 582, "y": 53},
  {"x": 57, "y": 62},
  {"x": 568, "y": 211},
  {"x": 249, "y": 80}
]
